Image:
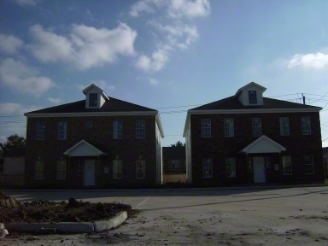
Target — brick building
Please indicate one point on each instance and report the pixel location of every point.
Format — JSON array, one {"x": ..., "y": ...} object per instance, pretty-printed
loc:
[
  {"x": 96, "y": 142},
  {"x": 248, "y": 138}
]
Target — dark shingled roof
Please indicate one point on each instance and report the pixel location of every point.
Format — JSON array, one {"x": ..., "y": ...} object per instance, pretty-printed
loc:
[
  {"x": 112, "y": 105},
  {"x": 268, "y": 103}
]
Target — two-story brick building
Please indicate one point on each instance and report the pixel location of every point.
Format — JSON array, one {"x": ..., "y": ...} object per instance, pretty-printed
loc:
[
  {"x": 100, "y": 141},
  {"x": 248, "y": 138}
]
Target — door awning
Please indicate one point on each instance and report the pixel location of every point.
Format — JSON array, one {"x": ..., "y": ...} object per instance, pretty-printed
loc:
[
  {"x": 83, "y": 148},
  {"x": 263, "y": 144}
]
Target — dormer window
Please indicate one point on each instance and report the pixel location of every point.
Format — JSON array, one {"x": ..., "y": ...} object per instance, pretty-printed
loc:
[
  {"x": 252, "y": 97},
  {"x": 93, "y": 100}
]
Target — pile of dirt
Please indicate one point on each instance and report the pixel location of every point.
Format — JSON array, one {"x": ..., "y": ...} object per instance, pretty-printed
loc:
[{"x": 71, "y": 211}]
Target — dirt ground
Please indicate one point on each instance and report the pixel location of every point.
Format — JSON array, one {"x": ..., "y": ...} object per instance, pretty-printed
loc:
[{"x": 13, "y": 211}]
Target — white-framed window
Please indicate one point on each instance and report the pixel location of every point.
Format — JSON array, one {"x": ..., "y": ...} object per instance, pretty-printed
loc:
[
  {"x": 117, "y": 169},
  {"x": 207, "y": 167},
  {"x": 140, "y": 129},
  {"x": 39, "y": 170},
  {"x": 141, "y": 169},
  {"x": 228, "y": 128},
  {"x": 257, "y": 127},
  {"x": 40, "y": 130},
  {"x": 284, "y": 126},
  {"x": 93, "y": 100},
  {"x": 117, "y": 129},
  {"x": 309, "y": 164},
  {"x": 206, "y": 128},
  {"x": 286, "y": 165},
  {"x": 252, "y": 97},
  {"x": 306, "y": 125},
  {"x": 61, "y": 169},
  {"x": 62, "y": 130},
  {"x": 230, "y": 164}
]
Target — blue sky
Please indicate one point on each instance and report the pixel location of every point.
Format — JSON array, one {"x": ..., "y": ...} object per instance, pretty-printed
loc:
[{"x": 171, "y": 55}]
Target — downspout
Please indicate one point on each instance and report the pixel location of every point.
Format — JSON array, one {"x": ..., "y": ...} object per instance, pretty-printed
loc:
[
  {"x": 280, "y": 164},
  {"x": 69, "y": 171}
]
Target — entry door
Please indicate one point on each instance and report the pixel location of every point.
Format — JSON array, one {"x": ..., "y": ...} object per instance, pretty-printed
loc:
[
  {"x": 259, "y": 169},
  {"x": 89, "y": 172}
]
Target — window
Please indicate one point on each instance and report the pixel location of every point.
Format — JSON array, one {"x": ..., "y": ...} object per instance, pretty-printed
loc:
[
  {"x": 117, "y": 169},
  {"x": 287, "y": 165},
  {"x": 207, "y": 168},
  {"x": 141, "y": 169},
  {"x": 206, "y": 128},
  {"x": 228, "y": 128},
  {"x": 257, "y": 127},
  {"x": 309, "y": 164},
  {"x": 306, "y": 125},
  {"x": 174, "y": 164},
  {"x": 40, "y": 130},
  {"x": 252, "y": 98},
  {"x": 117, "y": 129},
  {"x": 62, "y": 130},
  {"x": 230, "y": 167},
  {"x": 140, "y": 129},
  {"x": 61, "y": 170},
  {"x": 93, "y": 100},
  {"x": 39, "y": 170},
  {"x": 284, "y": 126}
]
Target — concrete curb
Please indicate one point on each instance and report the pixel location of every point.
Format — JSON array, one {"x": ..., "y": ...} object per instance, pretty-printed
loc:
[
  {"x": 109, "y": 224},
  {"x": 71, "y": 227}
]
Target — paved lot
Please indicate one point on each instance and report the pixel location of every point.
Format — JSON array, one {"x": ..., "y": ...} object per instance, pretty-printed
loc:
[{"x": 294, "y": 216}]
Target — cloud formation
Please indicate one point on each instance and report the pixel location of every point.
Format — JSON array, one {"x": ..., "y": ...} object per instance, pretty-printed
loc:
[
  {"x": 10, "y": 108},
  {"x": 54, "y": 100},
  {"x": 316, "y": 60},
  {"x": 10, "y": 44},
  {"x": 85, "y": 47},
  {"x": 21, "y": 77},
  {"x": 177, "y": 34}
]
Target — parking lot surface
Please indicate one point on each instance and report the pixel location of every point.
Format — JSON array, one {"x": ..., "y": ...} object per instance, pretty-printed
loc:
[{"x": 245, "y": 216}]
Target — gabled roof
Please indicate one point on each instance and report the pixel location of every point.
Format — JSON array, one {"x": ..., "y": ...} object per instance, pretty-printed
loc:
[
  {"x": 263, "y": 145},
  {"x": 92, "y": 86},
  {"x": 268, "y": 103},
  {"x": 83, "y": 148},
  {"x": 263, "y": 89},
  {"x": 112, "y": 105}
]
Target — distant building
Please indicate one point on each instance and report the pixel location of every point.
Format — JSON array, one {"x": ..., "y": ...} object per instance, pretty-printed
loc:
[
  {"x": 247, "y": 138},
  {"x": 100, "y": 141},
  {"x": 174, "y": 159}
]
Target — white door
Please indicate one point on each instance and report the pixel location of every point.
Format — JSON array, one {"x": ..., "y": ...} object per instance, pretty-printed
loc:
[
  {"x": 259, "y": 169},
  {"x": 89, "y": 172}
]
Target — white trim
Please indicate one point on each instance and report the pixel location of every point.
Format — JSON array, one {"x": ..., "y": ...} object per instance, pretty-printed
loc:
[
  {"x": 263, "y": 89},
  {"x": 98, "y": 151},
  {"x": 254, "y": 111},
  {"x": 262, "y": 138},
  {"x": 96, "y": 87}
]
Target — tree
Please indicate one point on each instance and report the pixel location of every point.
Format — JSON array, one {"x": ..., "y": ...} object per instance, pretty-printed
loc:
[
  {"x": 178, "y": 144},
  {"x": 13, "y": 141}
]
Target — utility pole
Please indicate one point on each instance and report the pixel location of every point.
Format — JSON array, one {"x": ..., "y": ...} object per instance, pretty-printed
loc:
[{"x": 303, "y": 99}]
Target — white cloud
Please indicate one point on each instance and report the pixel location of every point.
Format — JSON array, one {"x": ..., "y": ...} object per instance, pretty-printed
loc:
[
  {"x": 154, "y": 63},
  {"x": 189, "y": 9},
  {"x": 168, "y": 19},
  {"x": 21, "y": 77},
  {"x": 173, "y": 8},
  {"x": 54, "y": 100},
  {"x": 318, "y": 60},
  {"x": 26, "y": 2},
  {"x": 103, "y": 85},
  {"x": 153, "y": 81},
  {"x": 85, "y": 47},
  {"x": 10, "y": 44}
]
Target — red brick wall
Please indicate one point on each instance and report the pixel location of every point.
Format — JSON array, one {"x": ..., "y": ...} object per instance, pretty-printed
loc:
[
  {"x": 101, "y": 136},
  {"x": 219, "y": 147}
]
